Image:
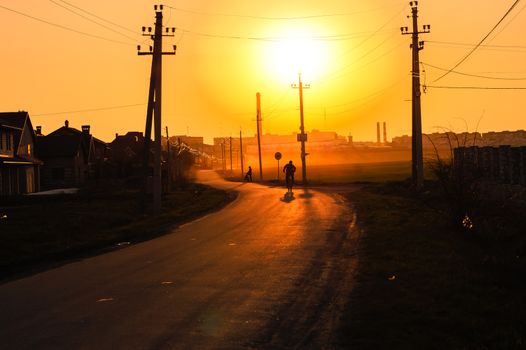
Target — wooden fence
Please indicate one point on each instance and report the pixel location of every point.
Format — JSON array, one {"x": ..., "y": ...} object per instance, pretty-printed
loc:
[{"x": 503, "y": 164}]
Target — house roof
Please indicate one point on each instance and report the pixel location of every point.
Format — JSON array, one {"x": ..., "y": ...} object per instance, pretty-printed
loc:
[
  {"x": 59, "y": 145},
  {"x": 14, "y": 119}
]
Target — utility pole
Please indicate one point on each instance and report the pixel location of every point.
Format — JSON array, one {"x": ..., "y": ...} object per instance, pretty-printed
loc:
[
  {"x": 241, "y": 152},
  {"x": 258, "y": 121},
  {"x": 302, "y": 136},
  {"x": 168, "y": 155},
  {"x": 231, "y": 156},
  {"x": 154, "y": 102},
  {"x": 223, "y": 156},
  {"x": 416, "y": 46}
]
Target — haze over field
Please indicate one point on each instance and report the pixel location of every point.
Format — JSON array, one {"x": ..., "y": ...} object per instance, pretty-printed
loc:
[{"x": 56, "y": 59}]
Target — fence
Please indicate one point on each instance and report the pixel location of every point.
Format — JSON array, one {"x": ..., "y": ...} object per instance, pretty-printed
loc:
[{"x": 503, "y": 164}]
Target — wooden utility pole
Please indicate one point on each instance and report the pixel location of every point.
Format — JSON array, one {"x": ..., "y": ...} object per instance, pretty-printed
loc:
[
  {"x": 258, "y": 121},
  {"x": 416, "y": 45},
  {"x": 154, "y": 103}
]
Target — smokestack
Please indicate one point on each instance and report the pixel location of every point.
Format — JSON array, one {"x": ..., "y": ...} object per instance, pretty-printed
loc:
[
  {"x": 378, "y": 132},
  {"x": 385, "y": 132},
  {"x": 39, "y": 130},
  {"x": 66, "y": 123},
  {"x": 85, "y": 129}
]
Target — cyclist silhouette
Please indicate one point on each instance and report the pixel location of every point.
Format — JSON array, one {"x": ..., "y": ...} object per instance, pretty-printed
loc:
[{"x": 289, "y": 171}]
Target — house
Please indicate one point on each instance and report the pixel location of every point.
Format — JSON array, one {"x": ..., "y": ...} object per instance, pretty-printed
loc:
[
  {"x": 19, "y": 167},
  {"x": 127, "y": 154},
  {"x": 71, "y": 156}
]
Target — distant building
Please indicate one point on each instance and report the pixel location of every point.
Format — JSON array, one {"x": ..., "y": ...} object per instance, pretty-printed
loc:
[{"x": 19, "y": 167}]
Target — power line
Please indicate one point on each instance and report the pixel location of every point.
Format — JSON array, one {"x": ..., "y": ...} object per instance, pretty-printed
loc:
[
  {"x": 476, "y": 87},
  {"x": 472, "y": 45},
  {"x": 63, "y": 27},
  {"x": 93, "y": 21},
  {"x": 480, "y": 42},
  {"x": 336, "y": 37},
  {"x": 472, "y": 75},
  {"x": 91, "y": 110},
  {"x": 288, "y": 18},
  {"x": 102, "y": 19}
]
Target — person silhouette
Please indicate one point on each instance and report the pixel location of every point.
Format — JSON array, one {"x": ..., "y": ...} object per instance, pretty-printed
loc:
[
  {"x": 248, "y": 175},
  {"x": 289, "y": 170}
]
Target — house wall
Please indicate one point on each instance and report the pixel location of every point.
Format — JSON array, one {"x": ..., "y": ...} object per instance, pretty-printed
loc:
[
  {"x": 64, "y": 172},
  {"x": 7, "y": 148},
  {"x": 26, "y": 146},
  {"x": 9, "y": 181}
]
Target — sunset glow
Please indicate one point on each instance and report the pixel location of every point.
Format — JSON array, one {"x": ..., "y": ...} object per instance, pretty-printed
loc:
[
  {"x": 297, "y": 52},
  {"x": 57, "y": 65}
]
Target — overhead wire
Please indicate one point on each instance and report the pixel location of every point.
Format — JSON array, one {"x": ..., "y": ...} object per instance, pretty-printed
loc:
[
  {"x": 473, "y": 75},
  {"x": 480, "y": 42},
  {"x": 337, "y": 37},
  {"x": 473, "y": 45},
  {"x": 93, "y": 21},
  {"x": 64, "y": 27},
  {"x": 477, "y": 87},
  {"x": 91, "y": 110},
  {"x": 287, "y": 18},
  {"x": 99, "y": 17}
]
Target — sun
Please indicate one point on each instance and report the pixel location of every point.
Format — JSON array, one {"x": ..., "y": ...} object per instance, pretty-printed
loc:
[{"x": 296, "y": 51}]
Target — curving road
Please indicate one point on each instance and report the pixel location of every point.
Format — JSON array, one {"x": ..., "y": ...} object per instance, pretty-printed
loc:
[{"x": 265, "y": 272}]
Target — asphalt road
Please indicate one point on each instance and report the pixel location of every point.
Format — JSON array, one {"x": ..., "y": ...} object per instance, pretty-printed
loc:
[{"x": 265, "y": 272}]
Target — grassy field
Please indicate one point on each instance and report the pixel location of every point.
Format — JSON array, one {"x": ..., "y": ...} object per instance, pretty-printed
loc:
[
  {"x": 41, "y": 229},
  {"x": 342, "y": 173},
  {"x": 421, "y": 284}
]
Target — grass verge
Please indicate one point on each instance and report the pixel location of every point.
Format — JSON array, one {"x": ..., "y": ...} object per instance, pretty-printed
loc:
[
  {"x": 40, "y": 230},
  {"x": 421, "y": 284}
]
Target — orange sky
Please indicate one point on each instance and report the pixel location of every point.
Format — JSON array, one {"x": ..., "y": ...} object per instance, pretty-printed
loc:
[{"x": 360, "y": 74}]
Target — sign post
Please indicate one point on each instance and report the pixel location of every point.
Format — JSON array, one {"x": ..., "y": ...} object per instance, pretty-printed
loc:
[{"x": 277, "y": 155}]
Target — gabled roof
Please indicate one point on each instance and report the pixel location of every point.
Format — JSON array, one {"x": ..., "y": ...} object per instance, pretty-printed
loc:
[
  {"x": 59, "y": 146},
  {"x": 14, "y": 119},
  {"x": 20, "y": 122}
]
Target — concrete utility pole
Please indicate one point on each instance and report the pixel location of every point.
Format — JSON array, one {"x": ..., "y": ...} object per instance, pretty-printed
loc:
[
  {"x": 416, "y": 46},
  {"x": 258, "y": 121},
  {"x": 302, "y": 136},
  {"x": 154, "y": 103}
]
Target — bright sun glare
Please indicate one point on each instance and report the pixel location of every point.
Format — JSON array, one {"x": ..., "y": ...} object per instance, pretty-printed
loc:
[{"x": 296, "y": 52}]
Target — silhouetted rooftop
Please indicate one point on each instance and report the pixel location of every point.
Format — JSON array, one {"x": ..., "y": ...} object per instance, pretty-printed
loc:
[{"x": 59, "y": 145}]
